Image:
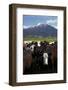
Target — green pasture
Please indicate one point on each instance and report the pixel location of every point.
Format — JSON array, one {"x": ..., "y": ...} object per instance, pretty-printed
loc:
[{"x": 48, "y": 39}]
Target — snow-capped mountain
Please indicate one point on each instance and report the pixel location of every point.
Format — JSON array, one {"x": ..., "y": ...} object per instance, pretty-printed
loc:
[{"x": 42, "y": 30}]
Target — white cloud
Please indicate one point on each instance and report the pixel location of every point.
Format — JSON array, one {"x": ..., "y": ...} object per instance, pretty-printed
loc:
[
  {"x": 26, "y": 27},
  {"x": 39, "y": 24},
  {"x": 52, "y": 22}
]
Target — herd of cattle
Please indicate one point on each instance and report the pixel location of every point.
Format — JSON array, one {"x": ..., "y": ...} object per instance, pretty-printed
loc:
[{"x": 39, "y": 57}]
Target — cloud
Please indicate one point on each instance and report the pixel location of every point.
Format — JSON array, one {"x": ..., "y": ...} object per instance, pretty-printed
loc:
[
  {"x": 26, "y": 27},
  {"x": 52, "y": 22},
  {"x": 39, "y": 23}
]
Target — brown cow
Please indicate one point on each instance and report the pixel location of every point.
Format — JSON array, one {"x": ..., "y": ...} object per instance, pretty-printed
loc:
[
  {"x": 54, "y": 53},
  {"x": 27, "y": 58}
]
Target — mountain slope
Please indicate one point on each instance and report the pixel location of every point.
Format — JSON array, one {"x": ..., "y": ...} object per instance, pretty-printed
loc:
[{"x": 41, "y": 30}]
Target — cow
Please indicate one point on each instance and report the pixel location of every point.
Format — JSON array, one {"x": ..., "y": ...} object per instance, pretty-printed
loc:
[
  {"x": 40, "y": 57},
  {"x": 45, "y": 58},
  {"x": 27, "y": 59}
]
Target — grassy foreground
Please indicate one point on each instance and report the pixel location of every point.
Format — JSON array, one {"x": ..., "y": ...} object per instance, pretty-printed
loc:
[{"x": 48, "y": 39}]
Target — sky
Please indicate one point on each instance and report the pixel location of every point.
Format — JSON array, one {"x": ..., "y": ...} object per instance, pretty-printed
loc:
[{"x": 32, "y": 20}]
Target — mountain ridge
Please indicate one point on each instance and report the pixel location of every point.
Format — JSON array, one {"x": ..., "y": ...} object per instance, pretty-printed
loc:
[{"x": 42, "y": 30}]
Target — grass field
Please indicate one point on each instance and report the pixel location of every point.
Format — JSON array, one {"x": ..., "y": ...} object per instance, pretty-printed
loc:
[{"x": 48, "y": 39}]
